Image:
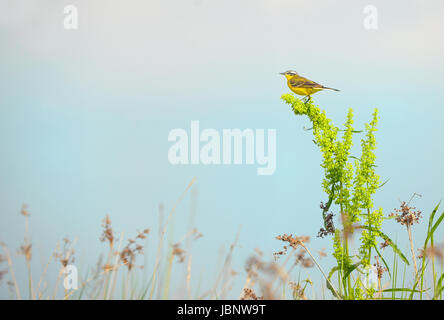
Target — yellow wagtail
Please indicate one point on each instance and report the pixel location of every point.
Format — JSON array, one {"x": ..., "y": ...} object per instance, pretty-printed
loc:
[{"x": 303, "y": 86}]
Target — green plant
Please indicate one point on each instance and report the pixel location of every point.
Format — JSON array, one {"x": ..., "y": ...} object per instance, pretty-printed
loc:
[{"x": 349, "y": 183}]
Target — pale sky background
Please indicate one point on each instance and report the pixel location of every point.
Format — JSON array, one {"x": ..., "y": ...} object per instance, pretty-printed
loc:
[{"x": 85, "y": 115}]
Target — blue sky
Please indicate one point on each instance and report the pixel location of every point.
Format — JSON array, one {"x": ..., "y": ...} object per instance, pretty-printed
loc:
[{"x": 85, "y": 114}]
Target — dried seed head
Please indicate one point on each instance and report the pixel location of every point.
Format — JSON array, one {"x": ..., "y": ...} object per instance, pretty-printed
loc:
[
  {"x": 298, "y": 291},
  {"x": 107, "y": 233},
  {"x": 107, "y": 267},
  {"x": 322, "y": 253},
  {"x": 2, "y": 274},
  {"x": 295, "y": 241},
  {"x": 406, "y": 215},
  {"x": 250, "y": 295},
  {"x": 349, "y": 226},
  {"x": 142, "y": 235},
  {"x": 26, "y": 250},
  {"x": 24, "y": 211},
  {"x": 385, "y": 244},
  {"x": 329, "y": 225},
  {"x": 436, "y": 251},
  {"x": 129, "y": 253},
  {"x": 179, "y": 252},
  {"x": 66, "y": 255},
  {"x": 196, "y": 234},
  {"x": 254, "y": 264},
  {"x": 380, "y": 269}
]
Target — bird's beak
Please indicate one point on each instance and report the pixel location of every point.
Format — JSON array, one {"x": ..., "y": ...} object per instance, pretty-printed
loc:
[{"x": 282, "y": 73}]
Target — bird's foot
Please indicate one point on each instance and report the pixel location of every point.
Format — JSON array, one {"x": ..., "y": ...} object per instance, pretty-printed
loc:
[{"x": 307, "y": 99}]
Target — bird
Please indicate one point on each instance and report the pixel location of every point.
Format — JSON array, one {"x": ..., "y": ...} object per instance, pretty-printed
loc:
[{"x": 303, "y": 86}]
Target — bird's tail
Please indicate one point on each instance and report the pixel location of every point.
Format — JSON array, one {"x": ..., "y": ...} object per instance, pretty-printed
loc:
[{"x": 330, "y": 88}]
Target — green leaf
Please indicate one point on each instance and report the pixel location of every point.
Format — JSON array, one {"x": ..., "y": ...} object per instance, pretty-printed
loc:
[
  {"x": 402, "y": 290},
  {"x": 436, "y": 225},
  {"x": 440, "y": 287},
  {"x": 392, "y": 243},
  {"x": 332, "y": 271},
  {"x": 431, "y": 228},
  {"x": 381, "y": 185},
  {"x": 351, "y": 268}
]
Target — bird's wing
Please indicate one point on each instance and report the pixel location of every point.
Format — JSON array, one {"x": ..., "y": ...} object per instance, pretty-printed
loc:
[{"x": 301, "y": 82}]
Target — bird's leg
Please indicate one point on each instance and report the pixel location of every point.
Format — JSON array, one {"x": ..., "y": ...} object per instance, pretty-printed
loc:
[{"x": 307, "y": 99}]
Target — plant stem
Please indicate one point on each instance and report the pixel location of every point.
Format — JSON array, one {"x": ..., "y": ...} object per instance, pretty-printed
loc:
[
  {"x": 370, "y": 226},
  {"x": 11, "y": 270},
  {"x": 319, "y": 267},
  {"x": 409, "y": 230},
  {"x": 344, "y": 226}
]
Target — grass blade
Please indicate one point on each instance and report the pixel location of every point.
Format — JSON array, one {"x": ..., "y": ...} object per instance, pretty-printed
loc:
[{"x": 402, "y": 290}]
